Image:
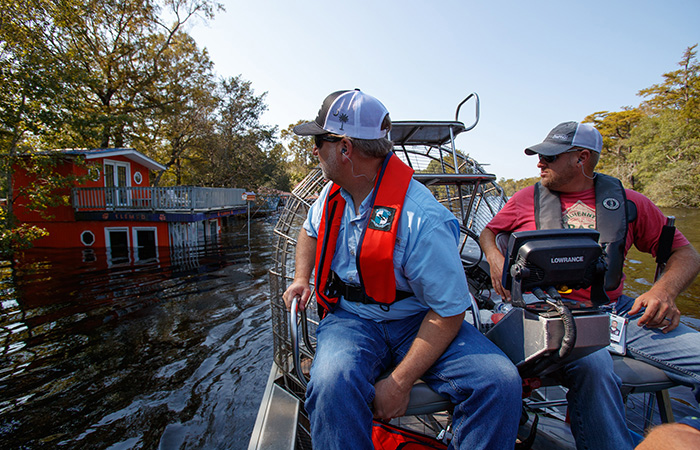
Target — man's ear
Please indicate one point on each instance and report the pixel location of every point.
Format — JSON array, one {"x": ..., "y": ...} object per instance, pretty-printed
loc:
[
  {"x": 346, "y": 147},
  {"x": 583, "y": 157}
]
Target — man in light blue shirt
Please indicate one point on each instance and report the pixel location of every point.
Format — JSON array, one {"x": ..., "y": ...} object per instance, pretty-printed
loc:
[
  {"x": 428, "y": 227},
  {"x": 419, "y": 332}
]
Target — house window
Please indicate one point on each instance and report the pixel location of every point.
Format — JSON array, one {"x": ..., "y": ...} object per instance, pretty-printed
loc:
[
  {"x": 146, "y": 243},
  {"x": 117, "y": 243},
  {"x": 94, "y": 173},
  {"x": 87, "y": 238},
  {"x": 117, "y": 182},
  {"x": 138, "y": 178}
]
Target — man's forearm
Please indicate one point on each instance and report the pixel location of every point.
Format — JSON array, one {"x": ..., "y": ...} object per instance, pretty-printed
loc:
[
  {"x": 682, "y": 268},
  {"x": 487, "y": 241},
  {"x": 434, "y": 336},
  {"x": 393, "y": 392},
  {"x": 305, "y": 256},
  {"x": 304, "y": 265}
]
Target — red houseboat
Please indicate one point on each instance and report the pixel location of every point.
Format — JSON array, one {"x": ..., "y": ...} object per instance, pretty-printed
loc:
[{"x": 117, "y": 209}]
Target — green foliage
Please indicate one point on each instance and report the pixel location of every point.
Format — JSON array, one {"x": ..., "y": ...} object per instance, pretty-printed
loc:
[
  {"x": 511, "y": 186},
  {"x": 240, "y": 151},
  {"x": 47, "y": 187},
  {"x": 17, "y": 238},
  {"x": 297, "y": 154},
  {"x": 616, "y": 128},
  {"x": 124, "y": 73},
  {"x": 655, "y": 148}
]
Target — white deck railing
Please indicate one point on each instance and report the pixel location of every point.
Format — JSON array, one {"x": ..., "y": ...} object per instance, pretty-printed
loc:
[{"x": 177, "y": 198}]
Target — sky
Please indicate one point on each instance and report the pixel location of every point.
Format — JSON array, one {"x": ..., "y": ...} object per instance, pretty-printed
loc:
[{"x": 533, "y": 64}]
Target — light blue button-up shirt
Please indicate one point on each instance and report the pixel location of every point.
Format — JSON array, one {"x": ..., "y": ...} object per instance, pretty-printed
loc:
[{"x": 426, "y": 256}]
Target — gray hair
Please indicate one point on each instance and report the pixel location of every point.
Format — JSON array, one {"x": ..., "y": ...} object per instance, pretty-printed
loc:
[{"x": 375, "y": 148}]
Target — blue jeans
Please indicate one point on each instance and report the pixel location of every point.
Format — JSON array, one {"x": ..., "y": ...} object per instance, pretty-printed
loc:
[
  {"x": 596, "y": 408},
  {"x": 677, "y": 352},
  {"x": 352, "y": 352}
]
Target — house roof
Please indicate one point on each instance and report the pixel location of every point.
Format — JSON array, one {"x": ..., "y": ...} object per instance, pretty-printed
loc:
[{"x": 128, "y": 153}]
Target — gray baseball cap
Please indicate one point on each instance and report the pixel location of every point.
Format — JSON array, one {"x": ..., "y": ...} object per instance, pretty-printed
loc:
[{"x": 566, "y": 136}]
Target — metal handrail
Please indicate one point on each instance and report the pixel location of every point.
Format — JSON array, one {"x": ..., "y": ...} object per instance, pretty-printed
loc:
[
  {"x": 131, "y": 198},
  {"x": 294, "y": 335},
  {"x": 477, "y": 109}
]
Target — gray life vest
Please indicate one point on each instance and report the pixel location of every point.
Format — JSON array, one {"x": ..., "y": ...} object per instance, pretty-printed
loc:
[{"x": 613, "y": 212}]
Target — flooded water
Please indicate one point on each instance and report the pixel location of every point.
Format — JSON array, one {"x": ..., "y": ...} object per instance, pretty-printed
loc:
[
  {"x": 169, "y": 353},
  {"x": 640, "y": 267}
]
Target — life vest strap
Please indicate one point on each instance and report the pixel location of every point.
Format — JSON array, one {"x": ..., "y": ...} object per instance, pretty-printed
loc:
[{"x": 354, "y": 293}]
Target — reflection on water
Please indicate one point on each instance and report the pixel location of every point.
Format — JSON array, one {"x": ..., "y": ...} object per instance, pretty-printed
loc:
[
  {"x": 640, "y": 267},
  {"x": 168, "y": 350}
]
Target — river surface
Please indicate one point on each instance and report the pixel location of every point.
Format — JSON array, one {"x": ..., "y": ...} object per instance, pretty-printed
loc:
[
  {"x": 172, "y": 353},
  {"x": 169, "y": 353}
]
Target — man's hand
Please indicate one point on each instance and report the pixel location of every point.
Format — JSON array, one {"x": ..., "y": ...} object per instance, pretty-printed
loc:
[
  {"x": 299, "y": 288},
  {"x": 496, "y": 268},
  {"x": 661, "y": 312},
  {"x": 434, "y": 336},
  {"x": 390, "y": 399}
]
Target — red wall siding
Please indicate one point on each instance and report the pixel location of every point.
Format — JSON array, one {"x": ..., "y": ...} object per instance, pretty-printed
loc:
[
  {"x": 67, "y": 234},
  {"x": 65, "y": 213}
]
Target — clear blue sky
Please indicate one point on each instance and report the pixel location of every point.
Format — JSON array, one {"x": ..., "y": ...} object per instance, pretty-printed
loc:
[{"x": 533, "y": 63}]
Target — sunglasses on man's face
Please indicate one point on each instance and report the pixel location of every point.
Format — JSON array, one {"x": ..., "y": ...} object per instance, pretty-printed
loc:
[
  {"x": 319, "y": 139},
  {"x": 549, "y": 159}
]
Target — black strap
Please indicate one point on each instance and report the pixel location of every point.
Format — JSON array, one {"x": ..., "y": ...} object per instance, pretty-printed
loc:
[{"x": 354, "y": 293}]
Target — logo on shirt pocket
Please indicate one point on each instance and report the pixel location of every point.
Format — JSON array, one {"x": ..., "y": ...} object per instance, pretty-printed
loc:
[{"x": 382, "y": 217}]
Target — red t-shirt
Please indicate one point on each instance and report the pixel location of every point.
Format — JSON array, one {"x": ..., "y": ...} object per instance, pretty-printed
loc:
[{"x": 578, "y": 211}]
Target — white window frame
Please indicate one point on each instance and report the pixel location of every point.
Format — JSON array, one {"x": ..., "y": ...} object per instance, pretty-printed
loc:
[
  {"x": 135, "y": 239},
  {"x": 112, "y": 162}
]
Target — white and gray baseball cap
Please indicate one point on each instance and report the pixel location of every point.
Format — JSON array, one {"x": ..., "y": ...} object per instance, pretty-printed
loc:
[
  {"x": 566, "y": 136},
  {"x": 348, "y": 113}
]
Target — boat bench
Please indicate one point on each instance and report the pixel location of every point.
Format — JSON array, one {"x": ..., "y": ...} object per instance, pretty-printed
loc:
[{"x": 641, "y": 377}]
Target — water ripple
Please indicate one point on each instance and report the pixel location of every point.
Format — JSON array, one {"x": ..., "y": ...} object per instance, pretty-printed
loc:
[{"x": 170, "y": 353}]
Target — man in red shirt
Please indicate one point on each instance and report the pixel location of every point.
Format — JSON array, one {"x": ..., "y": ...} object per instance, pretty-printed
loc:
[{"x": 571, "y": 195}]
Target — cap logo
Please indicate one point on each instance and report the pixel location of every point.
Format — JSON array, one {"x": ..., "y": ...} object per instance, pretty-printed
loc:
[
  {"x": 611, "y": 203},
  {"x": 560, "y": 137},
  {"x": 382, "y": 218},
  {"x": 343, "y": 120}
]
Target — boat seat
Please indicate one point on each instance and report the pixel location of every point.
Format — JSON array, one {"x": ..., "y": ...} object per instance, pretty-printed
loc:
[
  {"x": 426, "y": 401},
  {"x": 641, "y": 377}
]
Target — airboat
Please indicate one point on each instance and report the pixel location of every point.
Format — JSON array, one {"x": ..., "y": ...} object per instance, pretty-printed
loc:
[{"x": 538, "y": 335}]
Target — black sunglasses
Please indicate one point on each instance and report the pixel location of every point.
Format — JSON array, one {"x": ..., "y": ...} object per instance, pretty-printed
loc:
[
  {"x": 549, "y": 159},
  {"x": 319, "y": 139}
]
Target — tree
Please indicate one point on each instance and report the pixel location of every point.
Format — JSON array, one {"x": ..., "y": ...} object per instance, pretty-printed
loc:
[
  {"x": 680, "y": 90},
  {"x": 668, "y": 138},
  {"x": 616, "y": 129},
  {"x": 297, "y": 152},
  {"x": 238, "y": 153},
  {"x": 511, "y": 186},
  {"x": 110, "y": 58},
  {"x": 655, "y": 147},
  {"x": 174, "y": 130},
  {"x": 95, "y": 73}
]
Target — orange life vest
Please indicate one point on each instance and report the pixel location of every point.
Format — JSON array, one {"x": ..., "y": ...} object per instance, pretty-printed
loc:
[{"x": 375, "y": 265}]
